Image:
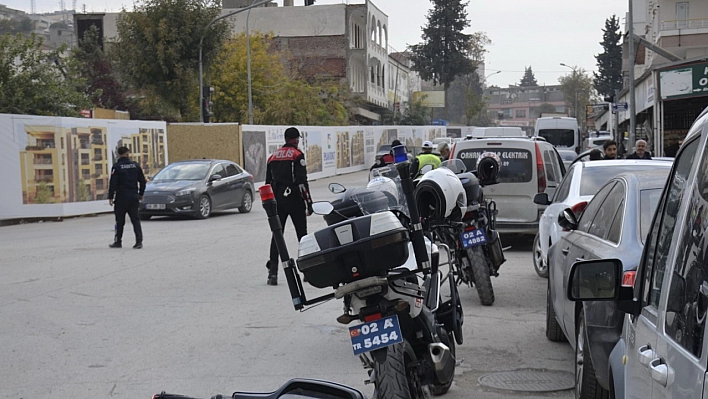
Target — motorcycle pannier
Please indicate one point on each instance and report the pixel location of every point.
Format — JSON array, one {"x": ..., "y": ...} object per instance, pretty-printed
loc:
[{"x": 353, "y": 249}]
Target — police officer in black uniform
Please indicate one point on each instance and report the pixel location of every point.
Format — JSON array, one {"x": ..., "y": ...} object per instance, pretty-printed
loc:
[
  {"x": 287, "y": 174},
  {"x": 126, "y": 175}
]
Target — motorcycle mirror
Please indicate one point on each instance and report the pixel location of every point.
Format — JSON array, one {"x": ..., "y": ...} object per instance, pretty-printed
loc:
[
  {"x": 322, "y": 207},
  {"x": 336, "y": 188}
]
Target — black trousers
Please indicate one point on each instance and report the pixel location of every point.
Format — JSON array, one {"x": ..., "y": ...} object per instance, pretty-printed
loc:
[
  {"x": 296, "y": 210},
  {"x": 129, "y": 206}
]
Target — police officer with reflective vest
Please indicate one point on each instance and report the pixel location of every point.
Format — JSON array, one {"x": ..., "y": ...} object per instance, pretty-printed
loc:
[
  {"x": 425, "y": 158},
  {"x": 287, "y": 174},
  {"x": 125, "y": 192}
]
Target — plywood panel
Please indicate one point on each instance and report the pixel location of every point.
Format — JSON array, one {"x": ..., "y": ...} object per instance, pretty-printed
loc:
[{"x": 197, "y": 140}]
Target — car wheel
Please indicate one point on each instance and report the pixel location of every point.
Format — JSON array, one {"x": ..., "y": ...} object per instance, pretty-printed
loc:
[
  {"x": 247, "y": 202},
  {"x": 204, "y": 209},
  {"x": 586, "y": 385},
  {"x": 539, "y": 263},
  {"x": 145, "y": 217},
  {"x": 553, "y": 329}
]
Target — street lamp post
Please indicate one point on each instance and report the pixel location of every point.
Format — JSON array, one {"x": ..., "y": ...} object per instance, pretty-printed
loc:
[
  {"x": 201, "y": 42},
  {"x": 575, "y": 105}
]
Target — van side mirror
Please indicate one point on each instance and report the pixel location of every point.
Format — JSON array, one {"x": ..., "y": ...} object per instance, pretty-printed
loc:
[
  {"x": 567, "y": 220},
  {"x": 541, "y": 199}
]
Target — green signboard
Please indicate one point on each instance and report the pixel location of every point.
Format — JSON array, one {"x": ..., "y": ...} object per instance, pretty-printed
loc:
[{"x": 684, "y": 81}]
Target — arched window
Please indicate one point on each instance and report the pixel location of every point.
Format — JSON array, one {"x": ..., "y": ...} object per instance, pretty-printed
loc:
[
  {"x": 373, "y": 29},
  {"x": 385, "y": 37},
  {"x": 378, "y": 30},
  {"x": 383, "y": 76}
]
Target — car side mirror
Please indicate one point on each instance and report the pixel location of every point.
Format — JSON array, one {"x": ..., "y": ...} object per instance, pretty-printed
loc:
[
  {"x": 567, "y": 220},
  {"x": 336, "y": 188},
  {"x": 322, "y": 207},
  {"x": 541, "y": 199},
  {"x": 214, "y": 177},
  {"x": 595, "y": 280}
]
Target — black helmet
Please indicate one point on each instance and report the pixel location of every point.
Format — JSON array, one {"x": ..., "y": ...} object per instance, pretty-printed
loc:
[{"x": 291, "y": 133}]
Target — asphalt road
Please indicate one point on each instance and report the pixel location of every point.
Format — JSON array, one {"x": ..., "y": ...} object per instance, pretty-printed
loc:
[{"x": 191, "y": 313}]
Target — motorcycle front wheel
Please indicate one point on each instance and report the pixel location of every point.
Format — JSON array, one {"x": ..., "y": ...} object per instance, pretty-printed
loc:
[
  {"x": 481, "y": 275},
  {"x": 397, "y": 376}
]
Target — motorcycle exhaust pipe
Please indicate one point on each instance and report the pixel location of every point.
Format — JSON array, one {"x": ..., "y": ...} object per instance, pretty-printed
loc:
[{"x": 443, "y": 362}]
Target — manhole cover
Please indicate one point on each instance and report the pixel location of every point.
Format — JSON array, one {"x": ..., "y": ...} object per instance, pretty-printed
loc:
[{"x": 529, "y": 380}]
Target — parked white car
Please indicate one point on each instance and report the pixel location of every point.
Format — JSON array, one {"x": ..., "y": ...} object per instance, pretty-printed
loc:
[{"x": 577, "y": 188}]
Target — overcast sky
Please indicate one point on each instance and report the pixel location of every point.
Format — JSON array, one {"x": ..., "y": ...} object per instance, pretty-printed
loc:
[{"x": 536, "y": 33}]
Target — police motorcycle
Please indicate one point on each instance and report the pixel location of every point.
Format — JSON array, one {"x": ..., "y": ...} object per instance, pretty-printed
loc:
[
  {"x": 468, "y": 230},
  {"x": 374, "y": 256}
]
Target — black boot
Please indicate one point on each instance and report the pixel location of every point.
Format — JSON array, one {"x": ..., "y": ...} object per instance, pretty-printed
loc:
[
  {"x": 138, "y": 245},
  {"x": 272, "y": 273},
  {"x": 272, "y": 279},
  {"x": 115, "y": 244}
]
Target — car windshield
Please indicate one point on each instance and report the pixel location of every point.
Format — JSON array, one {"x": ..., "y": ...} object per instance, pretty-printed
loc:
[
  {"x": 567, "y": 155},
  {"x": 183, "y": 171},
  {"x": 385, "y": 148},
  {"x": 594, "y": 178},
  {"x": 559, "y": 137},
  {"x": 648, "y": 200},
  {"x": 516, "y": 163}
]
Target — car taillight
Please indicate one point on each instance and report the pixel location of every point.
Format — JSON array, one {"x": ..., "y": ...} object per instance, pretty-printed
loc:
[
  {"x": 540, "y": 170},
  {"x": 628, "y": 278},
  {"x": 579, "y": 208}
]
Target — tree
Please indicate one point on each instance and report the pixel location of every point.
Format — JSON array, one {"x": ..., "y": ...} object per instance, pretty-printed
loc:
[
  {"x": 578, "y": 90},
  {"x": 442, "y": 56},
  {"x": 44, "y": 195},
  {"x": 278, "y": 99},
  {"x": 34, "y": 82},
  {"x": 16, "y": 25},
  {"x": 608, "y": 77},
  {"x": 83, "y": 191},
  {"x": 90, "y": 63},
  {"x": 416, "y": 115},
  {"x": 529, "y": 80},
  {"x": 158, "y": 48}
]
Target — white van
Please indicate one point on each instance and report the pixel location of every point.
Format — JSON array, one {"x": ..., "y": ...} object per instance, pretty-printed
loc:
[
  {"x": 498, "y": 131},
  {"x": 561, "y": 132}
]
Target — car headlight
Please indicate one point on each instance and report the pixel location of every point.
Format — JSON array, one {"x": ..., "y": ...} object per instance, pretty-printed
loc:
[{"x": 186, "y": 191}]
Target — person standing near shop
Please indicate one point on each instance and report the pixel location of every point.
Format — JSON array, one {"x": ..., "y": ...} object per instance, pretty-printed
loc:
[
  {"x": 640, "y": 151},
  {"x": 126, "y": 189},
  {"x": 287, "y": 174}
]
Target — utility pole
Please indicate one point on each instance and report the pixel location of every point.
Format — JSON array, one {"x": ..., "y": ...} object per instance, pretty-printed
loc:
[
  {"x": 632, "y": 103},
  {"x": 248, "y": 65}
]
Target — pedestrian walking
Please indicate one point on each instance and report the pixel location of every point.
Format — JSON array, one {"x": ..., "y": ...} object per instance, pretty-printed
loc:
[
  {"x": 286, "y": 172},
  {"x": 126, "y": 189}
]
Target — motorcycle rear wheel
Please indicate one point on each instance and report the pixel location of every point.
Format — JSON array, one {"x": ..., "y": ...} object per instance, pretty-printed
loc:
[
  {"x": 481, "y": 274},
  {"x": 397, "y": 377}
]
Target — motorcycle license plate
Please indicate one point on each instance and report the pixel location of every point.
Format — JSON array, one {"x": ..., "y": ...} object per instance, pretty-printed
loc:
[
  {"x": 375, "y": 334},
  {"x": 473, "y": 238}
]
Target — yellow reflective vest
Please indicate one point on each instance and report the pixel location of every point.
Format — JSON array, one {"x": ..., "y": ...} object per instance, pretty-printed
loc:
[{"x": 428, "y": 159}]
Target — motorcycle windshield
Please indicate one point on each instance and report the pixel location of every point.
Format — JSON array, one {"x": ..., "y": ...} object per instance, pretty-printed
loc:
[
  {"x": 384, "y": 193},
  {"x": 455, "y": 165}
]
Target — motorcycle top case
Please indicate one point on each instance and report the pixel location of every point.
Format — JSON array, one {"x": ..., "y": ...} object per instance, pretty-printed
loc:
[
  {"x": 354, "y": 249},
  {"x": 345, "y": 207}
]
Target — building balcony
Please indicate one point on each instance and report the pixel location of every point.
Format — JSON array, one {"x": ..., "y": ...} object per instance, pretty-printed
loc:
[
  {"x": 684, "y": 24},
  {"x": 39, "y": 147},
  {"x": 42, "y": 161},
  {"x": 97, "y": 158},
  {"x": 44, "y": 179},
  {"x": 97, "y": 175}
]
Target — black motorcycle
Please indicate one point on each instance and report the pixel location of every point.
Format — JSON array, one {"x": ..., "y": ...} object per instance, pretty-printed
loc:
[
  {"x": 475, "y": 246},
  {"x": 376, "y": 259}
]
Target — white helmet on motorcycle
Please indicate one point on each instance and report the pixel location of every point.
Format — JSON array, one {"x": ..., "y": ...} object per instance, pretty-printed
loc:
[
  {"x": 386, "y": 185},
  {"x": 440, "y": 195}
]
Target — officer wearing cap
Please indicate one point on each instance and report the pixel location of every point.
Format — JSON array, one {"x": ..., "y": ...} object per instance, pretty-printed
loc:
[
  {"x": 287, "y": 174},
  {"x": 125, "y": 191},
  {"x": 425, "y": 158}
]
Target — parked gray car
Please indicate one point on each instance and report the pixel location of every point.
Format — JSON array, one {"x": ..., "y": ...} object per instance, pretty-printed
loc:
[
  {"x": 663, "y": 352},
  {"x": 614, "y": 224},
  {"x": 197, "y": 188}
]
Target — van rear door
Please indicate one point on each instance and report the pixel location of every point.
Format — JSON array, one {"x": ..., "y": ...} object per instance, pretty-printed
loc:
[{"x": 518, "y": 182}]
